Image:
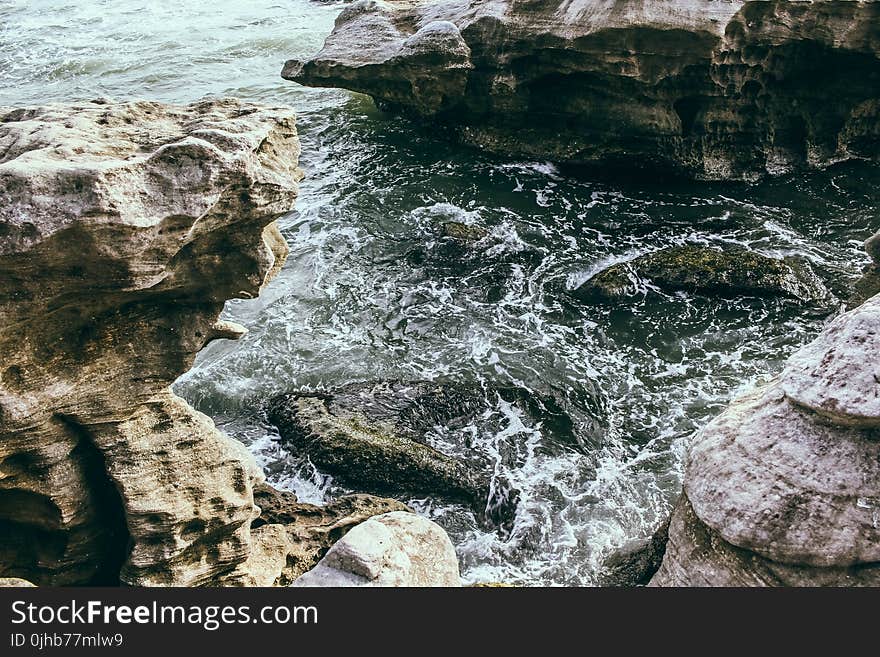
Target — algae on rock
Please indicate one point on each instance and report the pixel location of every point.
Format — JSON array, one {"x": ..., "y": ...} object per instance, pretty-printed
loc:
[
  {"x": 710, "y": 271},
  {"x": 371, "y": 437}
]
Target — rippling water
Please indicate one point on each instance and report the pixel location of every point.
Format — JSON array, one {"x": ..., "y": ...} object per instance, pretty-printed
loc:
[{"x": 370, "y": 291}]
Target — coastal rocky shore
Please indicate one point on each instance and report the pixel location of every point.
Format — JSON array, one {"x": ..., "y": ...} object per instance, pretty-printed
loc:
[
  {"x": 731, "y": 90},
  {"x": 124, "y": 227}
]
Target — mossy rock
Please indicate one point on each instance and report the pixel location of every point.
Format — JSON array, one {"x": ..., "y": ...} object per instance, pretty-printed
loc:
[
  {"x": 865, "y": 288},
  {"x": 462, "y": 232},
  {"x": 700, "y": 269},
  {"x": 872, "y": 246},
  {"x": 869, "y": 284},
  {"x": 370, "y": 437}
]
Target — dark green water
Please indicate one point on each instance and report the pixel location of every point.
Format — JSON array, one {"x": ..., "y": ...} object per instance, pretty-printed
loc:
[{"x": 370, "y": 292}]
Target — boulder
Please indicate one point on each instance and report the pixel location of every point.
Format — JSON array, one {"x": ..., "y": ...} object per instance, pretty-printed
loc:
[
  {"x": 290, "y": 536},
  {"x": 872, "y": 246},
  {"x": 838, "y": 375},
  {"x": 124, "y": 228},
  {"x": 869, "y": 284},
  {"x": 783, "y": 488},
  {"x": 713, "y": 90},
  {"x": 697, "y": 556},
  {"x": 371, "y": 436},
  {"x": 14, "y": 582},
  {"x": 394, "y": 549},
  {"x": 708, "y": 271},
  {"x": 769, "y": 476},
  {"x": 865, "y": 287}
]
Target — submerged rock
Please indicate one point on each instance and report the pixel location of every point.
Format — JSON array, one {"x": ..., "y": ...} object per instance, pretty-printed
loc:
[
  {"x": 371, "y": 436},
  {"x": 635, "y": 563},
  {"x": 869, "y": 284},
  {"x": 710, "y": 271},
  {"x": 713, "y": 90},
  {"x": 124, "y": 228},
  {"x": 783, "y": 488},
  {"x": 462, "y": 232},
  {"x": 394, "y": 549},
  {"x": 866, "y": 287}
]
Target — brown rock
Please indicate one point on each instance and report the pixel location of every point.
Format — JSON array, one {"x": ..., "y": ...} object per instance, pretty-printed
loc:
[
  {"x": 714, "y": 90},
  {"x": 124, "y": 227},
  {"x": 311, "y": 530}
]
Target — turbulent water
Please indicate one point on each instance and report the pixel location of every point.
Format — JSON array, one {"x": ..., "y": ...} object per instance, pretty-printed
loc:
[{"x": 371, "y": 292}]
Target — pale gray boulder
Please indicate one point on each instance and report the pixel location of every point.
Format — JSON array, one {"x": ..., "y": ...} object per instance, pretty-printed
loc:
[
  {"x": 394, "y": 549},
  {"x": 838, "y": 375},
  {"x": 783, "y": 488},
  {"x": 769, "y": 477}
]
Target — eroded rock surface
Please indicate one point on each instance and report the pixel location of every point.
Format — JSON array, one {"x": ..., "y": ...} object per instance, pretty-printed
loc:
[
  {"x": 394, "y": 549},
  {"x": 124, "y": 227},
  {"x": 697, "y": 556},
  {"x": 715, "y": 90},
  {"x": 709, "y": 271},
  {"x": 783, "y": 488}
]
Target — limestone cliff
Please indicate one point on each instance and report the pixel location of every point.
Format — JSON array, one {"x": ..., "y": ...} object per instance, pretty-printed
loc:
[
  {"x": 715, "y": 89},
  {"x": 124, "y": 227}
]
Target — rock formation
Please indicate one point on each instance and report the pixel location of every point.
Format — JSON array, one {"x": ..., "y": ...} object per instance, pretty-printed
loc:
[
  {"x": 15, "y": 582},
  {"x": 783, "y": 488},
  {"x": 707, "y": 270},
  {"x": 394, "y": 549},
  {"x": 371, "y": 436},
  {"x": 727, "y": 89},
  {"x": 308, "y": 530},
  {"x": 124, "y": 227}
]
